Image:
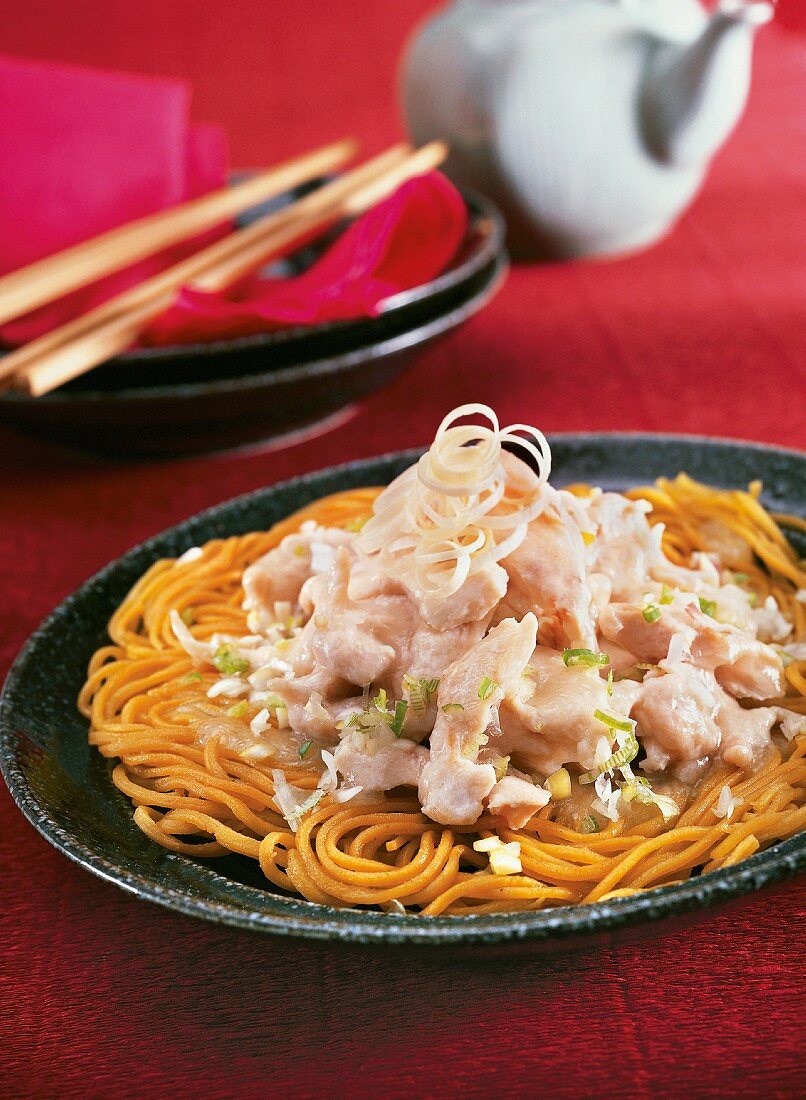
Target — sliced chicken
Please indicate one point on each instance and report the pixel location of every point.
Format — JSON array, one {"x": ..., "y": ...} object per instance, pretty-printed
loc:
[
  {"x": 349, "y": 643},
  {"x": 453, "y": 784},
  {"x": 380, "y": 761},
  {"x": 684, "y": 718},
  {"x": 351, "y": 639},
  {"x": 547, "y": 575},
  {"x": 624, "y": 625},
  {"x": 745, "y": 732},
  {"x": 745, "y": 667},
  {"x": 279, "y": 575},
  {"x": 548, "y": 720},
  {"x": 676, "y": 715},
  {"x": 622, "y": 542},
  {"x": 474, "y": 601},
  {"x": 756, "y": 673},
  {"x": 516, "y": 800}
]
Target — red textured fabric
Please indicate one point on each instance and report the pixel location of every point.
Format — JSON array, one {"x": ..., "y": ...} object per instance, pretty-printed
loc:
[
  {"x": 83, "y": 151},
  {"x": 408, "y": 239},
  {"x": 104, "y": 996}
]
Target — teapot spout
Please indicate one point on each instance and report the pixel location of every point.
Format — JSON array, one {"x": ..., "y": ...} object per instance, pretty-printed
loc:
[{"x": 694, "y": 95}]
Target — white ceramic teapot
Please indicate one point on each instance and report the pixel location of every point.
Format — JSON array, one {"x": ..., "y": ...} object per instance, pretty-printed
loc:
[{"x": 591, "y": 122}]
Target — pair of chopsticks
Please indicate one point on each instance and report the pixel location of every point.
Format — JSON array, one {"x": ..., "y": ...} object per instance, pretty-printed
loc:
[{"x": 106, "y": 331}]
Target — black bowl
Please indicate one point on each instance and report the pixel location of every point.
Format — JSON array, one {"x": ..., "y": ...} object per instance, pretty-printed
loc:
[
  {"x": 202, "y": 397},
  {"x": 63, "y": 786}
]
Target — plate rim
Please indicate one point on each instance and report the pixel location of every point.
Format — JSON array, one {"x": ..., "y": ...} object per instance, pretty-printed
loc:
[
  {"x": 491, "y": 255},
  {"x": 295, "y": 917},
  {"x": 494, "y": 274}
]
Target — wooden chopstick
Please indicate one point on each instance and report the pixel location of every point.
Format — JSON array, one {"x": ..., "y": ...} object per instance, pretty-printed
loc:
[
  {"x": 45, "y": 280},
  {"x": 219, "y": 267},
  {"x": 350, "y": 203},
  {"x": 170, "y": 280}
]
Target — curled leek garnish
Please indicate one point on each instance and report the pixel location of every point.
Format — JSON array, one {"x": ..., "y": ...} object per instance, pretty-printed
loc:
[{"x": 459, "y": 510}]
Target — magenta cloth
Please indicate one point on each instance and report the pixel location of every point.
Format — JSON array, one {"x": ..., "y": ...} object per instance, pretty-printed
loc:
[
  {"x": 83, "y": 151},
  {"x": 408, "y": 239}
]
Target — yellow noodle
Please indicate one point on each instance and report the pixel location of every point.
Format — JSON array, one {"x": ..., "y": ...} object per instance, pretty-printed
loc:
[{"x": 145, "y": 700}]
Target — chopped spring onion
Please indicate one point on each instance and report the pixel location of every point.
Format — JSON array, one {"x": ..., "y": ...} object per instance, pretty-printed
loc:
[
  {"x": 226, "y": 660},
  {"x": 708, "y": 607},
  {"x": 452, "y": 708},
  {"x": 559, "y": 784},
  {"x": 193, "y": 677},
  {"x": 303, "y": 749},
  {"x": 473, "y": 746},
  {"x": 665, "y": 594},
  {"x": 486, "y": 688},
  {"x": 585, "y": 657},
  {"x": 500, "y": 763},
  {"x": 590, "y": 824},
  {"x": 626, "y": 725},
  {"x": 588, "y": 537},
  {"x": 188, "y": 616},
  {"x": 372, "y": 715},
  {"x": 238, "y": 710},
  {"x": 610, "y": 682},
  {"x": 622, "y": 756},
  {"x": 380, "y": 700},
  {"x": 420, "y": 692},
  {"x": 396, "y": 725},
  {"x": 300, "y": 551},
  {"x": 638, "y": 788},
  {"x": 356, "y": 524},
  {"x": 651, "y": 613}
]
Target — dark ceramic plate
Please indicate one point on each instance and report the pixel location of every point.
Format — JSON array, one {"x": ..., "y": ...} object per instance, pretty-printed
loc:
[
  {"x": 184, "y": 400},
  {"x": 64, "y": 790}
]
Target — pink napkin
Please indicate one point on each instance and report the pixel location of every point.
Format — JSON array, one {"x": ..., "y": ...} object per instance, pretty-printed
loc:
[
  {"x": 83, "y": 151},
  {"x": 404, "y": 241}
]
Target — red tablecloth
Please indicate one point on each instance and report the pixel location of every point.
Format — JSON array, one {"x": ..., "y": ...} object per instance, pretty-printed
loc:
[{"x": 104, "y": 996}]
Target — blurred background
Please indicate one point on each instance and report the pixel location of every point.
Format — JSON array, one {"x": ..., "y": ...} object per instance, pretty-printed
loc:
[
  {"x": 698, "y": 315},
  {"x": 279, "y": 76}
]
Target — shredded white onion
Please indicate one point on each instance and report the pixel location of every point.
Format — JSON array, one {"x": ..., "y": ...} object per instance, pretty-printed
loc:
[
  {"x": 330, "y": 777},
  {"x": 260, "y": 722},
  {"x": 229, "y": 686},
  {"x": 293, "y": 802},
  {"x": 200, "y": 652},
  {"x": 193, "y": 554},
  {"x": 455, "y": 512},
  {"x": 322, "y": 555},
  {"x": 256, "y": 752},
  {"x": 727, "y": 803},
  {"x": 346, "y": 793}
]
